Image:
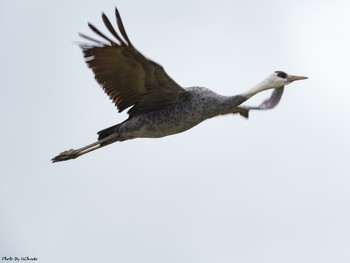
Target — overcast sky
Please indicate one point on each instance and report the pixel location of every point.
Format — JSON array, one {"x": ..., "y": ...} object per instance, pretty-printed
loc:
[{"x": 274, "y": 188}]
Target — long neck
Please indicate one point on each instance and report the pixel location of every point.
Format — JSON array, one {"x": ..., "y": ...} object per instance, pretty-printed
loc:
[
  {"x": 223, "y": 105},
  {"x": 264, "y": 85},
  {"x": 217, "y": 104},
  {"x": 229, "y": 104}
]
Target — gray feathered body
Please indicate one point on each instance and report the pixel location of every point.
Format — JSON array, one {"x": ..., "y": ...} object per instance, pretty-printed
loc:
[{"x": 195, "y": 105}]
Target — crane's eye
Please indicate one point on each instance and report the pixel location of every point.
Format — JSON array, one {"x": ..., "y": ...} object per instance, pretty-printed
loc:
[{"x": 281, "y": 74}]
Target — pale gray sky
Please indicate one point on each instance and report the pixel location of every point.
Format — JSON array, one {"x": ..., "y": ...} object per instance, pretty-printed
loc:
[{"x": 274, "y": 188}]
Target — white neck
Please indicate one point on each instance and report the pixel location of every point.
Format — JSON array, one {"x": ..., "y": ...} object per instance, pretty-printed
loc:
[{"x": 264, "y": 85}]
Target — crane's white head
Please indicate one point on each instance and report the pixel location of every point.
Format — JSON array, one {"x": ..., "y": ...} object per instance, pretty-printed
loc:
[
  {"x": 277, "y": 79},
  {"x": 281, "y": 78}
]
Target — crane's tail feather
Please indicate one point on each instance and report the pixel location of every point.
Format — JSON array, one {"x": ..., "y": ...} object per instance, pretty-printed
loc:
[{"x": 108, "y": 131}]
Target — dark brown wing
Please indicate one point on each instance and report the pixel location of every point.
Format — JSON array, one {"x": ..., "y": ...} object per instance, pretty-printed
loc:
[{"x": 128, "y": 78}]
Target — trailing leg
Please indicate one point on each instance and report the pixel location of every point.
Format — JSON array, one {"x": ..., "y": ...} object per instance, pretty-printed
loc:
[{"x": 72, "y": 154}]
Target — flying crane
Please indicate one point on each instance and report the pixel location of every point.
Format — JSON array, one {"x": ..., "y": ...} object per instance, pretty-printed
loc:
[{"x": 158, "y": 106}]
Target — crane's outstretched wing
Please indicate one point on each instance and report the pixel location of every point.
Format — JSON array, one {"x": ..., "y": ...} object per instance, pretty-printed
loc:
[
  {"x": 128, "y": 78},
  {"x": 274, "y": 99},
  {"x": 270, "y": 103}
]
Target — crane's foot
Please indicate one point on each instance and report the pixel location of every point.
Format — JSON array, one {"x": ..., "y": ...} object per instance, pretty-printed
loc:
[
  {"x": 66, "y": 155},
  {"x": 72, "y": 154},
  {"x": 243, "y": 111}
]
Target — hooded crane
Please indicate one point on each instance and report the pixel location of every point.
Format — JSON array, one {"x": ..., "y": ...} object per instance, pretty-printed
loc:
[{"x": 158, "y": 106}]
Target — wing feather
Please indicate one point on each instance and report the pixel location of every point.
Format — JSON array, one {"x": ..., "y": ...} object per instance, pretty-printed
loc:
[
  {"x": 270, "y": 103},
  {"x": 126, "y": 76}
]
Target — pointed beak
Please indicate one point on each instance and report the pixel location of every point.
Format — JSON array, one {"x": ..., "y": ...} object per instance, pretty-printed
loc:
[{"x": 292, "y": 78}]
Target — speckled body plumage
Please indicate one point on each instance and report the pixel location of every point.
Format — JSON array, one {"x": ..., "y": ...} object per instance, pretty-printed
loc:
[{"x": 195, "y": 105}]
